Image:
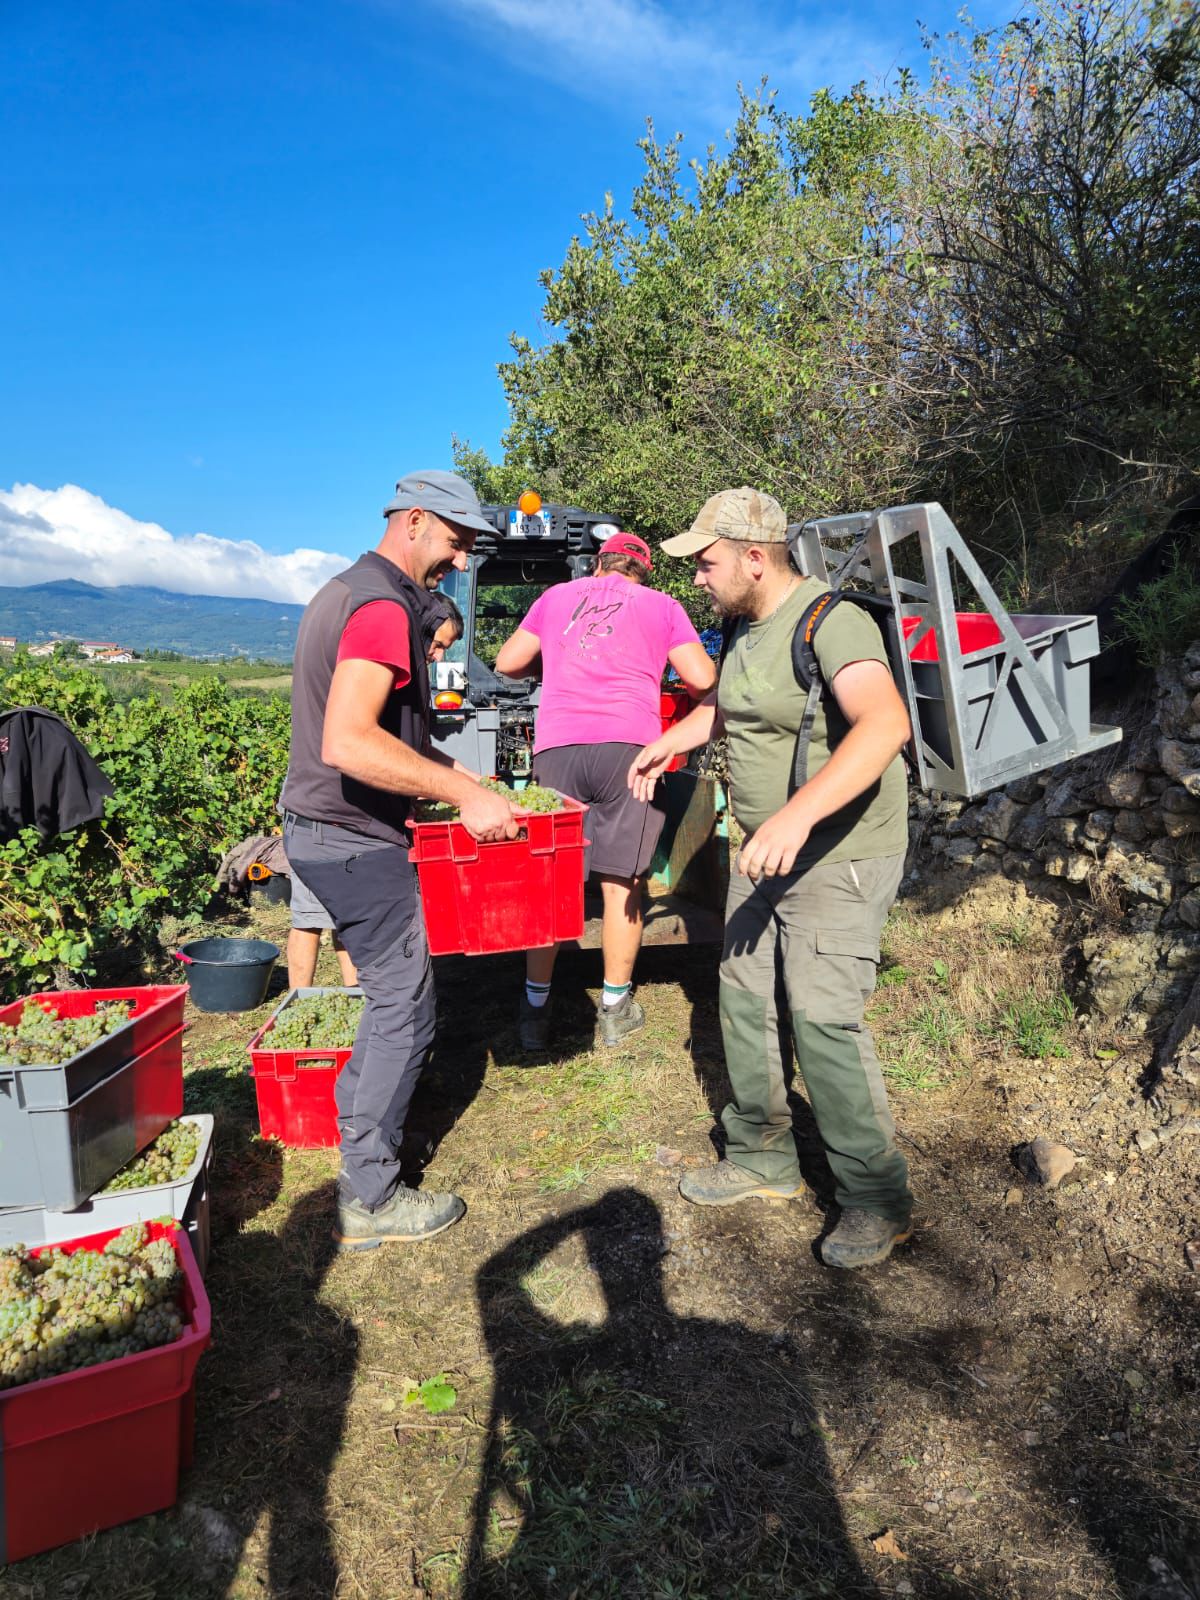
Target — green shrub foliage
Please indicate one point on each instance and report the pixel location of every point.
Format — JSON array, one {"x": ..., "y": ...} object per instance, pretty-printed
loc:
[
  {"x": 981, "y": 287},
  {"x": 191, "y": 779}
]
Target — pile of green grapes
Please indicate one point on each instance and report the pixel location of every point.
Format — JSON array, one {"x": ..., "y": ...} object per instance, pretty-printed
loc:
[
  {"x": 317, "y": 1022},
  {"x": 43, "y": 1037},
  {"x": 60, "y": 1311},
  {"x": 169, "y": 1157},
  {"x": 532, "y": 798}
]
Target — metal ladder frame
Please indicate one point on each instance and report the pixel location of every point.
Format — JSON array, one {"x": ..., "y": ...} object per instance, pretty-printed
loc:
[{"x": 867, "y": 562}]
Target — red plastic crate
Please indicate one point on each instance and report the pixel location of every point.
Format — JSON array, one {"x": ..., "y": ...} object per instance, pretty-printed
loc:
[
  {"x": 518, "y": 894},
  {"x": 294, "y": 1088},
  {"x": 298, "y": 1108},
  {"x": 977, "y": 630},
  {"x": 91, "y": 1449},
  {"x": 673, "y": 706},
  {"x": 157, "y": 1012}
]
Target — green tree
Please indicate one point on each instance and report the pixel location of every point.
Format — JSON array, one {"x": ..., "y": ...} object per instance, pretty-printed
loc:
[{"x": 982, "y": 289}]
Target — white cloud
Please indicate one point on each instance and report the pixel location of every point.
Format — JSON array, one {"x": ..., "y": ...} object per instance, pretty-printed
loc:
[
  {"x": 642, "y": 51},
  {"x": 68, "y": 533}
]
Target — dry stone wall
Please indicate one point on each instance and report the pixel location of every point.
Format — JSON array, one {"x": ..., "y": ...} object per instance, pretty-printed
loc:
[{"x": 1120, "y": 831}]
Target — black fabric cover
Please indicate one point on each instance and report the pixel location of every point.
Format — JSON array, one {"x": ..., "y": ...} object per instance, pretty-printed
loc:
[{"x": 47, "y": 779}]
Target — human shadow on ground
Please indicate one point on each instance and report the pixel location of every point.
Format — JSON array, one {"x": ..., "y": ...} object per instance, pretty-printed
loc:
[
  {"x": 651, "y": 1454},
  {"x": 273, "y": 1397}
]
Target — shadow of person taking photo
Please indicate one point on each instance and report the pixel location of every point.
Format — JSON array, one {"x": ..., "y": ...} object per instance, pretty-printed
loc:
[
  {"x": 274, "y": 1393},
  {"x": 646, "y": 1453}
]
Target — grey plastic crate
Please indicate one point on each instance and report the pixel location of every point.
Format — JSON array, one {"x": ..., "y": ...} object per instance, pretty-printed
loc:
[
  {"x": 58, "y": 1156},
  {"x": 55, "y": 1084},
  {"x": 185, "y": 1199}
]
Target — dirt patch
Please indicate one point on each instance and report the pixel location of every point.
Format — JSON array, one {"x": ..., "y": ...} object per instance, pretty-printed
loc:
[{"x": 652, "y": 1399}]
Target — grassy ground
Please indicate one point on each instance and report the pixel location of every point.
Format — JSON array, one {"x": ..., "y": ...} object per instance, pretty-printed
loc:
[{"x": 652, "y": 1400}]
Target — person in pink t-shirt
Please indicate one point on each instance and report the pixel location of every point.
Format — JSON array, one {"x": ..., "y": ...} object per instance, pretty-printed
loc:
[{"x": 604, "y": 643}]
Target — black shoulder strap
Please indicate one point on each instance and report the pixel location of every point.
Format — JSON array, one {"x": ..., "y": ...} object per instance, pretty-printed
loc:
[{"x": 808, "y": 669}]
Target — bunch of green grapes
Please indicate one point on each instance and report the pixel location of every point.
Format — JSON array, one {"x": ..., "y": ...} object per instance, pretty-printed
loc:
[
  {"x": 168, "y": 1158},
  {"x": 42, "y": 1036},
  {"x": 63, "y": 1310},
  {"x": 317, "y": 1022},
  {"x": 532, "y": 798}
]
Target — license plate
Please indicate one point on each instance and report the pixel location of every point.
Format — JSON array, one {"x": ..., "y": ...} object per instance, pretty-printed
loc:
[{"x": 521, "y": 526}]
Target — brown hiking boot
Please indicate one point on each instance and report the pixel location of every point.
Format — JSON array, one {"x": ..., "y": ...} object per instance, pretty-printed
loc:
[
  {"x": 862, "y": 1239},
  {"x": 533, "y": 1027},
  {"x": 615, "y": 1023},
  {"x": 409, "y": 1215},
  {"x": 726, "y": 1184}
]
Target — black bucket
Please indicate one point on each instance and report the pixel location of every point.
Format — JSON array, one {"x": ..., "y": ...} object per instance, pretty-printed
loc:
[{"x": 228, "y": 974}]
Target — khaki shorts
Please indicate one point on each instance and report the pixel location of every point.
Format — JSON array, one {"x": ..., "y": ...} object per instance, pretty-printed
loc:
[{"x": 308, "y": 913}]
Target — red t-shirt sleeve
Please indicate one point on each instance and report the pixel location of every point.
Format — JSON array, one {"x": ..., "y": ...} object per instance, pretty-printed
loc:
[{"x": 379, "y": 632}]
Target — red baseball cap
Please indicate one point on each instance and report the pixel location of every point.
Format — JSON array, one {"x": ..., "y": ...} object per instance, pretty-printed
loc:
[{"x": 628, "y": 544}]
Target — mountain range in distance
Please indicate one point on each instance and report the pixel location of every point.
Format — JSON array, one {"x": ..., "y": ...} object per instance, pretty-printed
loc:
[{"x": 142, "y": 618}]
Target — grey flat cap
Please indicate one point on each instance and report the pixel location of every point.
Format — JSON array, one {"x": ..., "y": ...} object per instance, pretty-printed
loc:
[{"x": 446, "y": 495}]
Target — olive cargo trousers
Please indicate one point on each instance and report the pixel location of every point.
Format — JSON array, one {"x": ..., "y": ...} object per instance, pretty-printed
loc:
[{"x": 800, "y": 960}]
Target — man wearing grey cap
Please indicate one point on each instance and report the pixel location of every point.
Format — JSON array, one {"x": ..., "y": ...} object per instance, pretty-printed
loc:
[
  {"x": 360, "y": 754},
  {"x": 819, "y": 868}
]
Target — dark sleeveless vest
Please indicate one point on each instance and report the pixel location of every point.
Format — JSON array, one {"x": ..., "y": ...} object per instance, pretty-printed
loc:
[{"x": 312, "y": 788}]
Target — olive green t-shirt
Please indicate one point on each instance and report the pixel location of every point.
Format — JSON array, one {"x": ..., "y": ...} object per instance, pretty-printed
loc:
[{"x": 762, "y": 706}]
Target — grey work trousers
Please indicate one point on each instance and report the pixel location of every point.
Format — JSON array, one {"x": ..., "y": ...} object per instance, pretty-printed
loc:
[
  {"x": 369, "y": 888},
  {"x": 799, "y": 964}
]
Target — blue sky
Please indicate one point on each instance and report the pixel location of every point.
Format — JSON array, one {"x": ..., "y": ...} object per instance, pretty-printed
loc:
[{"x": 263, "y": 256}]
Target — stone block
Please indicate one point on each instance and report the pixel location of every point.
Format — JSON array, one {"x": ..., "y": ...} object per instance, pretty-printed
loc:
[
  {"x": 998, "y": 816},
  {"x": 1099, "y": 825},
  {"x": 1181, "y": 762},
  {"x": 1068, "y": 864},
  {"x": 1131, "y": 825},
  {"x": 1026, "y": 790},
  {"x": 1124, "y": 788},
  {"x": 1030, "y": 830},
  {"x": 1068, "y": 796}
]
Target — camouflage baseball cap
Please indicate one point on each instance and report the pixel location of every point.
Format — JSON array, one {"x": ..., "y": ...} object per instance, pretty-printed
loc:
[{"x": 743, "y": 513}]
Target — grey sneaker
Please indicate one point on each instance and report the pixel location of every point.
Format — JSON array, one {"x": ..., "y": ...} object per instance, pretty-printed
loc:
[
  {"x": 726, "y": 1184},
  {"x": 533, "y": 1026},
  {"x": 410, "y": 1214},
  {"x": 614, "y": 1023},
  {"x": 862, "y": 1239}
]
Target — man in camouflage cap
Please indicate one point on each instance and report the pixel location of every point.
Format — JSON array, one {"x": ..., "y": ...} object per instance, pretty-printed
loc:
[{"x": 818, "y": 870}]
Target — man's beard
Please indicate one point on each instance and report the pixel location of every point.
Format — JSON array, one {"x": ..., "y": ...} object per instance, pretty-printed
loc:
[{"x": 732, "y": 606}]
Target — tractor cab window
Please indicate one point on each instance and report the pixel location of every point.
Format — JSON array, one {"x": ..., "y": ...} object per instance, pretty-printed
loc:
[
  {"x": 504, "y": 592},
  {"x": 457, "y": 585}
]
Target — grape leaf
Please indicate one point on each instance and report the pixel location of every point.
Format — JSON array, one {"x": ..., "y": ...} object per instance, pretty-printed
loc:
[{"x": 435, "y": 1394}]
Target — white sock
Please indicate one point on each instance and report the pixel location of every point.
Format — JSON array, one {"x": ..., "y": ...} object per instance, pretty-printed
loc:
[
  {"x": 537, "y": 993},
  {"x": 614, "y": 993}
]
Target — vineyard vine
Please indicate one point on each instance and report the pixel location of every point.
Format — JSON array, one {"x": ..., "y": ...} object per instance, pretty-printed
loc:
[{"x": 191, "y": 779}]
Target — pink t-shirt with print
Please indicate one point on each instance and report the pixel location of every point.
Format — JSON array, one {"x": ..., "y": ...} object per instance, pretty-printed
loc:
[{"x": 605, "y": 643}]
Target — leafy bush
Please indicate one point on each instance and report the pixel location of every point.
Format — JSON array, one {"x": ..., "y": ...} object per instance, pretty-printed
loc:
[
  {"x": 1163, "y": 617},
  {"x": 191, "y": 779}
]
